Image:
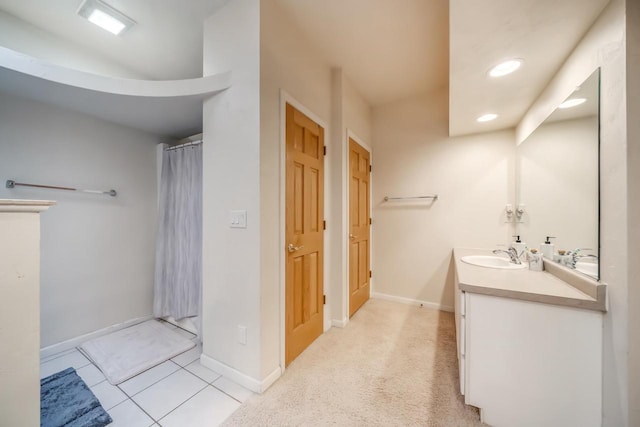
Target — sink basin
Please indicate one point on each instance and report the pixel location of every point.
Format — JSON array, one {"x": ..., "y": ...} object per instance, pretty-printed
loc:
[
  {"x": 588, "y": 268},
  {"x": 490, "y": 261}
]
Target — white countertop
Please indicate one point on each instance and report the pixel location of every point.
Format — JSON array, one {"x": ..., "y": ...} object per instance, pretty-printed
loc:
[{"x": 524, "y": 284}]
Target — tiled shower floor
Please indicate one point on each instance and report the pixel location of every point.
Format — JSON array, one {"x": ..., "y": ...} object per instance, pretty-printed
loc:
[{"x": 179, "y": 392}]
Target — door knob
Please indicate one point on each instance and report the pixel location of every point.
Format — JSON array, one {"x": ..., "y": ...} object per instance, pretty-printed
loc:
[
  {"x": 352, "y": 237},
  {"x": 292, "y": 248}
]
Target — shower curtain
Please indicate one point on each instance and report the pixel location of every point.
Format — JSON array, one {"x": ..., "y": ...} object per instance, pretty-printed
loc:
[{"x": 178, "y": 281}]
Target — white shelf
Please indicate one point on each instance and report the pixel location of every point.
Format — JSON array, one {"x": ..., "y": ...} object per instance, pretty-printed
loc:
[
  {"x": 22, "y": 205},
  {"x": 168, "y": 108}
]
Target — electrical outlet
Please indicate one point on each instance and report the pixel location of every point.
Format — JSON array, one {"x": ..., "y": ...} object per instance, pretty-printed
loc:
[{"x": 242, "y": 334}]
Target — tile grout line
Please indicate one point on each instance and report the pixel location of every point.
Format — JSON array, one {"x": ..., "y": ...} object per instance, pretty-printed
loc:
[
  {"x": 207, "y": 384},
  {"x": 195, "y": 375},
  {"x": 135, "y": 403},
  {"x": 79, "y": 350},
  {"x": 51, "y": 360},
  {"x": 91, "y": 386},
  {"x": 58, "y": 355},
  {"x": 130, "y": 397},
  {"x": 95, "y": 366},
  {"x": 224, "y": 392},
  {"x": 152, "y": 384},
  {"x": 212, "y": 385},
  {"x": 178, "y": 327},
  {"x": 123, "y": 392},
  {"x": 66, "y": 354},
  {"x": 188, "y": 399}
]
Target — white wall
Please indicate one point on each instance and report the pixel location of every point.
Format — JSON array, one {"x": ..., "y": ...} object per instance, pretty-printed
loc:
[
  {"x": 351, "y": 117},
  {"x": 633, "y": 194},
  {"x": 97, "y": 251},
  {"x": 231, "y": 180},
  {"x": 243, "y": 274},
  {"x": 338, "y": 275},
  {"x": 558, "y": 184},
  {"x": 473, "y": 177},
  {"x": 290, "y": 63},
  {"x": 23, "y": 37},
  {"x": 604, "y": 46},
  {"x": 357, "y": 112}
]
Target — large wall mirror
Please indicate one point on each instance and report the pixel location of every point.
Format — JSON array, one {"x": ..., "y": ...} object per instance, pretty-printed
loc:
[{"x": 558, "y": 181}]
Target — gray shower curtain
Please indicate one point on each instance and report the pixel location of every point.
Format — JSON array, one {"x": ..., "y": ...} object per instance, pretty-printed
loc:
[{"x": 178, "y": 275}]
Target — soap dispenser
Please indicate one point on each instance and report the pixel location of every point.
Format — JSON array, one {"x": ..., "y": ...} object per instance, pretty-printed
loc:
[
  {"x": 519, "y": 246},
  {"x": 547, "y": 248}
]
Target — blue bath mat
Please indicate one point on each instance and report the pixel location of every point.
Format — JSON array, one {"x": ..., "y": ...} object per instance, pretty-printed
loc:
[{"x": 65, "y": 400}]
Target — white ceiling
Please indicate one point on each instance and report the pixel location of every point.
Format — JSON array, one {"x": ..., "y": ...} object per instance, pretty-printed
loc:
[
  {"x": 483, "y": 33},
  {"x": 389, "y": 49},
  {"x": 171, "y": 117},
  {"x": 165, "y": 43}
]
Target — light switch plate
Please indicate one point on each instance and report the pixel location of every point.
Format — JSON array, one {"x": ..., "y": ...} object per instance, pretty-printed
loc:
[
  {"x": 242, "y": 334},
  {"x": 238, "y": 219}
]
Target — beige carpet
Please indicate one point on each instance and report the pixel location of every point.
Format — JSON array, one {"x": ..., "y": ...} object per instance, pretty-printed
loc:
[{"x": 393, "y": 365}]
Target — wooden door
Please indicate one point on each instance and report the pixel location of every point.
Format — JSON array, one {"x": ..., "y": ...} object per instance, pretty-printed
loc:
[
  {"x": 359, "y": 226},
  {"x": 304, "y": 232}
]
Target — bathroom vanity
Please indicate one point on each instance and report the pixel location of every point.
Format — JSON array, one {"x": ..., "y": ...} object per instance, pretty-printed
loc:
[{"x": 529, "y": 344}]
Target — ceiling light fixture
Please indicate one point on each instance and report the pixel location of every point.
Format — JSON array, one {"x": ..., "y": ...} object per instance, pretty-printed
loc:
[
  {"x": 487, "y": 117},
  {"x": 506, "y": 67},
  {"x": 104, "y": 16},
  {"x": 572, "y": 103}
]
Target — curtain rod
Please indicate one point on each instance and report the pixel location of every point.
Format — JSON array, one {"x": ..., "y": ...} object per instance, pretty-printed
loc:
[
  {"x": 186, "y": 144},
  {"x": 12, "y": 184}
]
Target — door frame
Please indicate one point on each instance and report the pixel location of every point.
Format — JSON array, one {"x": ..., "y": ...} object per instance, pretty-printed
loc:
[
  {"x": 286, "y": 98},
  {"x": 345, "y": 220}
]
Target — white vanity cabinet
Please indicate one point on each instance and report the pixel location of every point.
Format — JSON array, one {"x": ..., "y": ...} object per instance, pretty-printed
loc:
[
  {"x": 20, "y": 312},
  {"x": 526, "y": 362}
]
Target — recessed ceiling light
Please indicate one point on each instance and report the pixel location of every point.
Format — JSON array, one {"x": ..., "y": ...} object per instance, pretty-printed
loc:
[
  {"x": 104, "y": 16},
  {"x": 506, "y": 67},
  {"x": 572, "y": 103},
  {"x": 487, "y": 117}
]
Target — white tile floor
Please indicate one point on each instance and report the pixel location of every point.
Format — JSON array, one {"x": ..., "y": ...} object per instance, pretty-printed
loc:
[{"x": 179, "y": 392}]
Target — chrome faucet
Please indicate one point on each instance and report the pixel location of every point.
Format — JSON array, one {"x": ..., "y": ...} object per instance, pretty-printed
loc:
[
  {"x": 575, "y": 256},
  {"x": 512, "y": 252}
]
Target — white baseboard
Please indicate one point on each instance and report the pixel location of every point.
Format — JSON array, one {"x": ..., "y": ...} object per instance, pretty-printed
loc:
[
  {"x": 271, "y": 378},
  {"x": 75, "y": 342},
  {"x": 410, "y": 301},
  {"x": 326, "y": 325},
  {"x": 238, "y": 377},
  {"x": 339, "y": 323}
]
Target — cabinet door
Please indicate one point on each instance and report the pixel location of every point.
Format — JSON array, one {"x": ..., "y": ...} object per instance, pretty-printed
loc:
[
  {"x": 533, "y": 364},
  {"x": 459, "y": 297}
]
